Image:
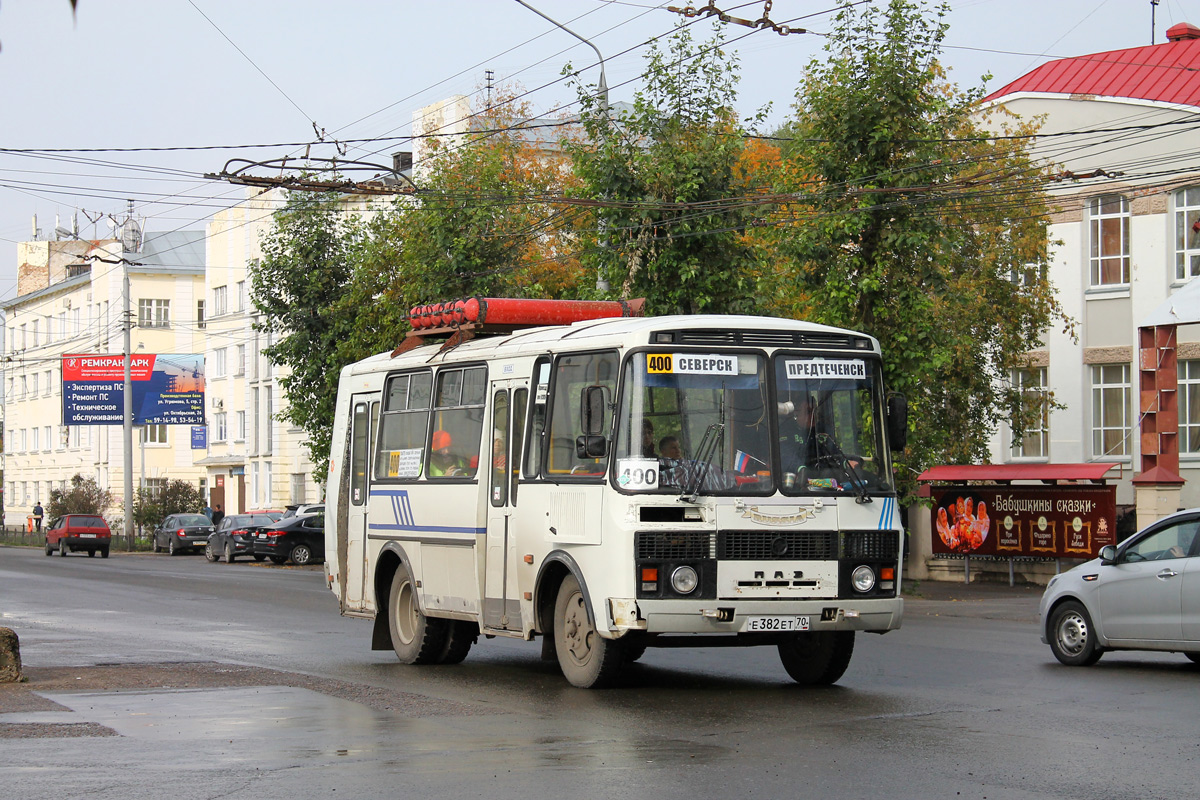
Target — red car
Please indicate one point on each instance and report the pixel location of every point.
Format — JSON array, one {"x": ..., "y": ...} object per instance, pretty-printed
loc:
[{"x": 75, "y": 532}]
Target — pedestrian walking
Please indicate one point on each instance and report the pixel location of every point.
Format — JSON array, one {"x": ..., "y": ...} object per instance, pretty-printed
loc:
[{"x": 37, "y": 516}]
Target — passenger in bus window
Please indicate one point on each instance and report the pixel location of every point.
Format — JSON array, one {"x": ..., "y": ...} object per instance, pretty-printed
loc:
[
  {"x": 670, "y": 449},
  {"x": 443, "y": 463},
  {"x": 648, "y": 439},
  {"x": 498, "y": 458}
]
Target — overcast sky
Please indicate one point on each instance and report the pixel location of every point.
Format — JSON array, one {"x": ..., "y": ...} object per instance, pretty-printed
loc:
[{"x": 200, "y": 73}]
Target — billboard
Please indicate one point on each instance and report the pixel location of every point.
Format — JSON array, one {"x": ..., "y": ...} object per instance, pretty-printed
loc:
[
  {"x": 1061, "y": 521},
  {"x": 167, "y": 389}
]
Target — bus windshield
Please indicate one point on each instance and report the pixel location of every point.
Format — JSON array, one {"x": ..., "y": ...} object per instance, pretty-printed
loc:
[
  {"x": 721, "y": 424},
  {"x": 829, "y": 420},
  {"x": 694, "y": 423}
]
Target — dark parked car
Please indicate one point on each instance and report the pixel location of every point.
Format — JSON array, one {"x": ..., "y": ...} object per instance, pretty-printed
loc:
[
  {"x": 302, "y": 509},
  {"x": 183, "y": 533},
  {"x": 235, "y": 536},
  {"x": 300, "y": 540},
  {"x": 75, "y": 532}
]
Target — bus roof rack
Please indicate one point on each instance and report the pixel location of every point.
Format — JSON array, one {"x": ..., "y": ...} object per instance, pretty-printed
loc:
[{"x": 464, "y": 319}]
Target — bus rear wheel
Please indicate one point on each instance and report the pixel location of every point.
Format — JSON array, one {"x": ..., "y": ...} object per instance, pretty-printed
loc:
[
  {"x": 416, "y": 638},
  {"x": 587, "y": 660},
  {"x": 817, "y": 659}
]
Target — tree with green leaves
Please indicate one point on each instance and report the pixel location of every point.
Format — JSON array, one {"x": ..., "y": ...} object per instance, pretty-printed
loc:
[
  {"x": 906, "y": 219},
  {"x": 84, "y": 496},
  {"x": 151, "y": 507},
  {"x": 671, "y": 213},
  {"x": 482, "y": 222},
  {"x": 297, "y": 287}
]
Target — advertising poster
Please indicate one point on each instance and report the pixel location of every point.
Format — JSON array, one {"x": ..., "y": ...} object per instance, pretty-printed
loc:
[
  {"x": 167, "y": 389},
  {"x": 1069, "y": 521}
]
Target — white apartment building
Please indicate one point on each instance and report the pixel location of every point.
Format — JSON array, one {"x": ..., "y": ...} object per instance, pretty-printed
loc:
[
  {"x": 253, "y": 460},
  {"x": 1123, "y": 129},
  {"x": 70, "y": 302}
]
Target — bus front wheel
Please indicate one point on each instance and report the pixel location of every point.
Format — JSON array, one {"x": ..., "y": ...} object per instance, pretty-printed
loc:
[
  {"x": 817, "y": 659},
  {"x": 587, "y": 660},
  {"x": 416, "y": 638}
]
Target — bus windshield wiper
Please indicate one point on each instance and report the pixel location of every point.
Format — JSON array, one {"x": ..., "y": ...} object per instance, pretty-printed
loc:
[
  {"x": 834, "y": 453},
  {"x": 703, "y": 462}
]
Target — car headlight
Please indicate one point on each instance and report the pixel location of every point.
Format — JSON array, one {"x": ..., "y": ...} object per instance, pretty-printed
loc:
[
  {"x": 684, "y": 580},
  {"x": 863, "y": 579}
]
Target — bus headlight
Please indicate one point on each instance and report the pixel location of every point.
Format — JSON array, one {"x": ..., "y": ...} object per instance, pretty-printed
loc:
[
  {"x": 684, "y": 580},
  {"x": 863, "y": 578}
]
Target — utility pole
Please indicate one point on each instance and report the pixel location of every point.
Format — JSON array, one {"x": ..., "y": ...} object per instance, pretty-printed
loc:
[
  {"x": 1153, "y": 11},
  {"x": 127, "y": 417}
]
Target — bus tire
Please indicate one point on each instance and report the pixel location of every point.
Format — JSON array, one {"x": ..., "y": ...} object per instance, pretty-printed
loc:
[
  {"x": 416, "y": 638},
  {"x": 817, "y": 659},
  {"x": 587, "y": 660},
  {"x": 460, "y": 636}
]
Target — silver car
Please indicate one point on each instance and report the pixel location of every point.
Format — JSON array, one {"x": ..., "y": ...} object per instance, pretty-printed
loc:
[{"x": 1143, "y": 594}]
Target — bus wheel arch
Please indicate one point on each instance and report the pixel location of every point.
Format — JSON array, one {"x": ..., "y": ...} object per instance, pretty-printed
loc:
[
  {"x": 555, "y": 568},
  {"x": 391, "y": 558}
]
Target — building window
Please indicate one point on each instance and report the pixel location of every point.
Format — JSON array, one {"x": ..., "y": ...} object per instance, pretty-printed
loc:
[
  {"x": 154, "y": 313},
  {"x": 33, "y": 334},
  {"x": 49, "y": 443},
  {"x": 1111, "y": 412},
  {"x": 239, "y": 426},
  {"x": 35, "y": 384},
  {"x": 1108, "y": 218},
  {"x": 35, "y": 438},
  {"x": 49, "y": 383},
  {"x": 220, "y": 431},
  {"x": 267, "y": 483},
  {"x": 299, "y": 491},
  {"x": 1187, "y": 233},
  {"x": 220, "y": 301},
  {"x": 241, "y": 295},
  {"x": 239, "y": 364},
  {"x": 156, "y": 488},
  {"x": 268, "y": 422},
  {"x": 154, "y": 434},
  {"x": 218, "y": 370},
  {"x": 254, "y": 484},
  {"x": 200, "y": 314},
  {"x": 1189, "y": 407}
]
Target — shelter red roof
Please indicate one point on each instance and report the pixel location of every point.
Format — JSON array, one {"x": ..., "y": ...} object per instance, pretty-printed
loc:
[
  {"x": 1166, "y": 73},
  {"x": 1092, "y": 471}
]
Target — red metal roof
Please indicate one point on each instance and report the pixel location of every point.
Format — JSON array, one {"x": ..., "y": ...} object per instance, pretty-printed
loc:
[
  {"x": 1092, "y": 471},
  {"x": 1166, "y": 73}
]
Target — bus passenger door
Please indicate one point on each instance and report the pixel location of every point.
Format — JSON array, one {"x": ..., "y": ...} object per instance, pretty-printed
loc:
[
  {"x": 502, "y": 601},
  {"x": 364, "y": 414}
]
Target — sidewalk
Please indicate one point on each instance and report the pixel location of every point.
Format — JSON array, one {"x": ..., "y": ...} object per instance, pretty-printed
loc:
[{"x": 981, "y": 599}]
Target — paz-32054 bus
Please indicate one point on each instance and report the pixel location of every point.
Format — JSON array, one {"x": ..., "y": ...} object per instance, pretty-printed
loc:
[{"x": 617, "y": 483}]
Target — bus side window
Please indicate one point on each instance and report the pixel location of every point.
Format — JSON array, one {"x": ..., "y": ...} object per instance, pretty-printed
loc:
[
  {"x": 537, "y": 419},
  {"x": 359, "y": 447},
  {"x": 520, "y": 400},
  {"x": 499, "y": 448},
  {"x": 574, "y": 373},
  {"x": 457, "y": 423},
  {"x": 403, "y": 427}
]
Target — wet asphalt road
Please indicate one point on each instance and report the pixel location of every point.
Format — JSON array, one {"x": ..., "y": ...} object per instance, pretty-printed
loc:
[{"x": 963, "y": 702}]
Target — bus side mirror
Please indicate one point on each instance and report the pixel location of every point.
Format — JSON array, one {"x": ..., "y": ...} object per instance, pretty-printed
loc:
[
  {"x": 590, "y": 447},
  {"x": 897, "y": 421},
  {"x": 593, "y": 403}
]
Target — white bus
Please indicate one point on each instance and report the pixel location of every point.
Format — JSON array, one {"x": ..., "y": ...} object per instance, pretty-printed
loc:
[{"x": 616, "y": 484}]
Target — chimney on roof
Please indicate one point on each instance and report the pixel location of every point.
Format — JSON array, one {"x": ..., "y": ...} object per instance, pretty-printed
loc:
[{"x": 1182, "y": 32}]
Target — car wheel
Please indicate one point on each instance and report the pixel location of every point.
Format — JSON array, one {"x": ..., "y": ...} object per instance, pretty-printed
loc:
[
  {"x": 49, "y": 549},
  {"x": 301, "y": 555},
  {"x": 817, "y": 659},
  {"x": 587, "y": 660},
  {"x": 416, "y": 638},
  {"x": 280, "y": 560},
  {"x": 91, "y": 553},
  {"x": 229, "y": 552},
  {"x": 62, "y": 547},
  {"x": 156, "y": 548},
  {"x": 259, "y": 557},
  {"x": 1072, "y": 637},
  {"x": 209, "y": 554},
  {"x": 104, "y": 553},
  {"x": 171, "y": 551},
  {"x": 1193, "y": 657}
]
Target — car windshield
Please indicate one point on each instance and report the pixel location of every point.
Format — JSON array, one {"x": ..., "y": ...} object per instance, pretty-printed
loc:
[
  {"x": 694, "y": 422},
  {"x": 192, "y": 519}
]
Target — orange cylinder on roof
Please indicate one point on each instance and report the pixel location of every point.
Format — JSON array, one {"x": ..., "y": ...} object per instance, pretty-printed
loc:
[{"x": 510, "y": 312}]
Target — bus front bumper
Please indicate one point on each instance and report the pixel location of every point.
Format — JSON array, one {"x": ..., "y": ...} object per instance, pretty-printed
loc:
[{"x": 754, "y": 616}]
